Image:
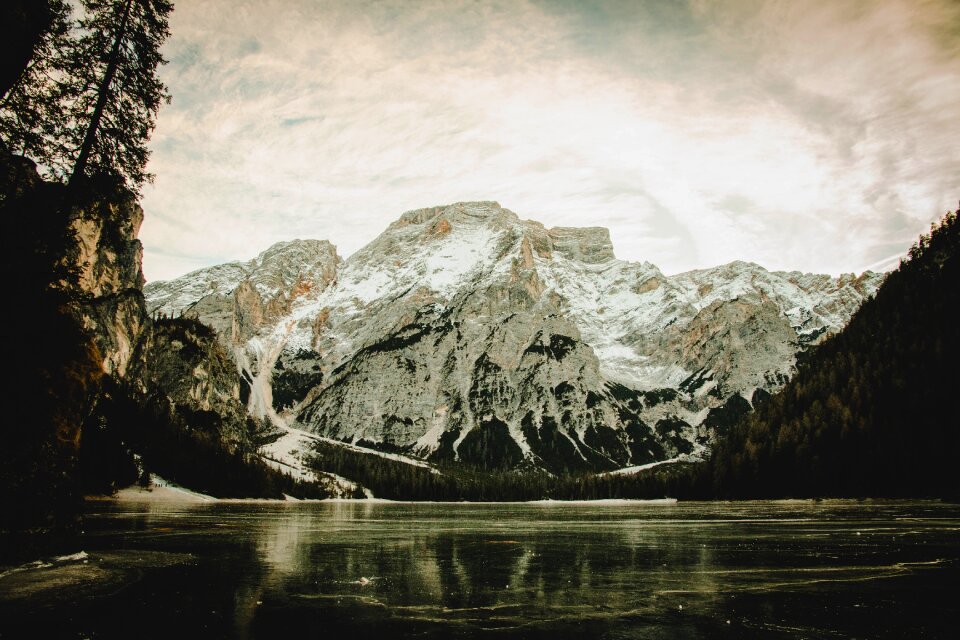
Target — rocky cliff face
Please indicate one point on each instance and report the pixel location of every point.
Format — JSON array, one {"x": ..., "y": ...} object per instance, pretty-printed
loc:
[
  {"x": 103, "y": 392},
  {"x": 463, "y": 333},
  {"x": 107, "y": 256},
  {"x": 179, "y": 363},
  {"x": 178, "y": 367},
  {"x": 56, "y": 367}
]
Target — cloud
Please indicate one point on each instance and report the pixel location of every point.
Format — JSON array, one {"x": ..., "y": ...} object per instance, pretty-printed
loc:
[{"x": 814, "y": 136}]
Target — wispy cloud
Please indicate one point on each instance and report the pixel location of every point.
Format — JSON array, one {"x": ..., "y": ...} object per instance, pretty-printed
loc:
[{"x": 817, "y": 136}]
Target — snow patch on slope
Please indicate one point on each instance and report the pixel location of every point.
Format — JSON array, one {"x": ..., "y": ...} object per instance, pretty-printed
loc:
[{"x": 626, "y": 471}]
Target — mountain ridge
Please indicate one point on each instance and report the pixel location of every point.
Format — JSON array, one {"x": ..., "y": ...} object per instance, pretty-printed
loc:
[{"x": 499, "y": 298}]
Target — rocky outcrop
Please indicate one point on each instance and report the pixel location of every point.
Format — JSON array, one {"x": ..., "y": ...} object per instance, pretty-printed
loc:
[
  {"x": 589, "y": 245},
  {"x": 107, "y": 255},
  {"x": 180, "y": 361},
  {"x": 180, "y": 364},
  {"x": 465, "y": 334}
]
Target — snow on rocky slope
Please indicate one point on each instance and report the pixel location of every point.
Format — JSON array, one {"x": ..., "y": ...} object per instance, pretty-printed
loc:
[{"x": 463, "y": 333}]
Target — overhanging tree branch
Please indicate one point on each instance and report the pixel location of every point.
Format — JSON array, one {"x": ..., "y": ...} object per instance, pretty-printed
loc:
[{"x": 103, "y": 92}]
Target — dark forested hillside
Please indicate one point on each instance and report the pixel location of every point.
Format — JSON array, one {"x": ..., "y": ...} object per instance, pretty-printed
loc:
[{"x": 874, "y": 411}]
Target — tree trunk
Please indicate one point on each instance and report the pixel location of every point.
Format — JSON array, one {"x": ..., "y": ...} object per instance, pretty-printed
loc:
[{"x": 102, "y": 93}]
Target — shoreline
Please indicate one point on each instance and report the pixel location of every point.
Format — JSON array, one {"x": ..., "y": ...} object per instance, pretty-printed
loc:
[
  {"x": 180, "y": 496},
  {"x": 161, "y": 491},
  {"x": 177, "y": 495}
]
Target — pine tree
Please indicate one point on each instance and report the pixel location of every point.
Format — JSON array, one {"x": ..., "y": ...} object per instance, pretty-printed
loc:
[
  {"x": 87, "y": 102},
  {"x": 115, "y": 91}
]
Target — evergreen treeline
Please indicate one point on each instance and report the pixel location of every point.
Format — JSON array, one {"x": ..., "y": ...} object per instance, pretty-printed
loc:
[
  {"x": 872, "y": 411},
  {"x": 395, "y": 480}
]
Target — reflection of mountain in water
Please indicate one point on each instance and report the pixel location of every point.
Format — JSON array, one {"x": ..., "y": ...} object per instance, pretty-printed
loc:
[
  {"x": 471, "y": 569},
  {"x": 527, "y": 570},
  {"x": 538, "y": 569}
]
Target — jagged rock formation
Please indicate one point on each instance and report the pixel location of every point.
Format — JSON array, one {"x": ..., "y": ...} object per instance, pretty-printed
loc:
[
  {"x": 463, "y": 333},
  {"x": 181, "y": 365},
  {"x": 262, "y": 289}
]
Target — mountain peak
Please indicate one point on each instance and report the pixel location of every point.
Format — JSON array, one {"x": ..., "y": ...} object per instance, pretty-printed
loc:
[
  {"x": 297, "y": 249},
  {"x": 585, "y": 244},
  {"x": 275, "y": 270},
  {"x": 478, "y": 210}
]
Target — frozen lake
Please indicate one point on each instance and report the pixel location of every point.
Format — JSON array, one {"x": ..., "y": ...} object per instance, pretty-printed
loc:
[{"x": 367, "y": 570}]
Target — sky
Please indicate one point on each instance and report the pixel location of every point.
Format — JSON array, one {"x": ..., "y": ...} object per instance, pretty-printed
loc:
[{"x": 804, "y": 135}]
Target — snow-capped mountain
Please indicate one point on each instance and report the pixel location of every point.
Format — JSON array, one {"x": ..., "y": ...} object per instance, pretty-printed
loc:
[{"x": 464, "y": 333}]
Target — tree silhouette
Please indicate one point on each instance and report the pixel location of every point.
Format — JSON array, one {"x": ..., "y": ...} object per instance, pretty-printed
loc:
[
  {"x": 116, "y": 91},
  {"x": 86, "y": 102}
]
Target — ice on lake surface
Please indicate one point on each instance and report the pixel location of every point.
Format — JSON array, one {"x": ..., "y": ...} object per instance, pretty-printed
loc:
[{"x": 340, "y": 570}]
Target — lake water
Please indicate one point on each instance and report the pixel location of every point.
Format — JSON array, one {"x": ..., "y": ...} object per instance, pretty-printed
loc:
[{"x": 380, "y": 570}]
